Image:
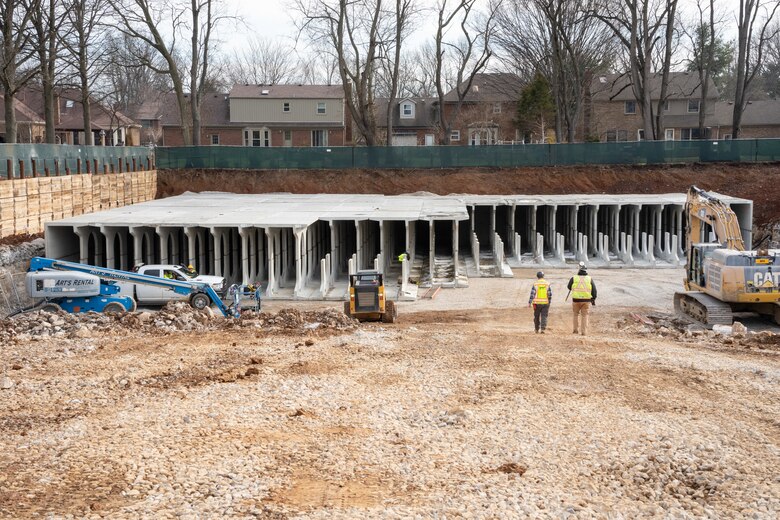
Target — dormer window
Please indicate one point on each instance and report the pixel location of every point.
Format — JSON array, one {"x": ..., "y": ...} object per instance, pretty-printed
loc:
[
  {"x": 407, "y": 110},
  {"x": 285, "y": 106}
]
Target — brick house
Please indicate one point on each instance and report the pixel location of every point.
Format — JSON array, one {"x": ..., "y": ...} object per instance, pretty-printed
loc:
[
  {"x": 613, "y": 113},
  {"x": 254, "y": 115},
  {"x": 109, "y": 127},
  {"x": 30, "y": 126},
  {"x": 414, "y": 120},
  {"x": 487, "y": 115},
  {"x": 760, "y": 120}
]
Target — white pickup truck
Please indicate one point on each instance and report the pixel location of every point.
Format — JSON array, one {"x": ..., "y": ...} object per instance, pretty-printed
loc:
[{"x": 153, "y": 295}]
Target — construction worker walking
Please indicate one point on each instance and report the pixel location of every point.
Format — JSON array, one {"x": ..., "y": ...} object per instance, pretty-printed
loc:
[
  {"x": 541, "y": 296},
  {"x": 583, "y": 295}
]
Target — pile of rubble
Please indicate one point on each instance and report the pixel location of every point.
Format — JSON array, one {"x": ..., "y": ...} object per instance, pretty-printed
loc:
[
  {"x": 174, "y": 317},
  {"x": 688, "y": 331}
]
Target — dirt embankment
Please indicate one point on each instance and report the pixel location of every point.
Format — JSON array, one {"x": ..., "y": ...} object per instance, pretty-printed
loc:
[{"x": 757, "y": 182}]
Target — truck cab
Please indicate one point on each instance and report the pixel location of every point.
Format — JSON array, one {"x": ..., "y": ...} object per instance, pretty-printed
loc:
[{"x": 154, "y": 295}]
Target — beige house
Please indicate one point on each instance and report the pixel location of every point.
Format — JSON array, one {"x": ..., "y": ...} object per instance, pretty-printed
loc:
[
  {"x": 614, "y": 112},
  {"x": 290, "y": 115}
]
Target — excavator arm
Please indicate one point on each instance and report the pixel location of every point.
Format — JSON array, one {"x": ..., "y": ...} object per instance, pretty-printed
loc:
[{"x": 703, "y": 209}]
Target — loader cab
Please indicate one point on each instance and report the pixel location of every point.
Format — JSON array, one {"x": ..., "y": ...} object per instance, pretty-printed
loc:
[
  {"x": 367, "y": 298},
  {"x": 696, "y": 274}
]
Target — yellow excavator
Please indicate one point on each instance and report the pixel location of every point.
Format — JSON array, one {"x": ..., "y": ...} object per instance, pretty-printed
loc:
[{"x": 721, "y": 277}]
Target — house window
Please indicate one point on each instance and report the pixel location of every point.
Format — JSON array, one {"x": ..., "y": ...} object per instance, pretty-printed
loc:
[
  {"x": 630, "y": 107},
  {"x": 68, "y": 103},
  {"x": 257, "y": 137},
  {"x": 616, "y": 135},
  {"x": 76, "y": 138},
  {"x": 455, "y": 135},
  {"x": 688, "y": 134},
  {"x": 407, "y": 110},
  {"x": 321, "y": 108},
  {"x": 288, "y": 138},
  {"x": 669, "y": 134},
  {"x": 666, "y": 105},
  {"x": 319, "y": 138},
  {"x": 640, "y": 134},
  {"x": 727, "y": 137},
  {"x": 285, "y": 107},
  {"x": 693, "y": 106},
  {"x": 214, "y": 138},
  {"x": 496, "y": 108}
]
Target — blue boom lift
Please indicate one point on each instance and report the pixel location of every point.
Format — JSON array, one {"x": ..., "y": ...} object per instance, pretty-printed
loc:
[{"x": 75, "y": 287}]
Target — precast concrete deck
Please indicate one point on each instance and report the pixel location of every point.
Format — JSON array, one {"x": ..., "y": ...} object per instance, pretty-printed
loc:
[{"x": 304, "y": 246}]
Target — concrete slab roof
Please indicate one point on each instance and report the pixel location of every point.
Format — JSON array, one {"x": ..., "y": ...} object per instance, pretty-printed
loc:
[
  {"x": 287, "y": 210},
  {"x": 217, "y": 209}
]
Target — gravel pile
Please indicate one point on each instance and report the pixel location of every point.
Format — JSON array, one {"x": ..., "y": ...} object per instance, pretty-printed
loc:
[
  {"x": 174, "y": 317},
  {"x": 685, "y": 331}
]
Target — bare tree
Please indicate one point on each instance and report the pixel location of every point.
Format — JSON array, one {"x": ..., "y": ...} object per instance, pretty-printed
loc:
[
  {"x": 465, "y": 57},
  {"x": 558, "y": 39},
  {"x": 753, "y": 33},
  {"x": 352, "y": 31},
  {"x": 126, "y": 80},
  {"x": 262, "y": 61},
  {"x": 45, "y": 23},
  {"x": 193, "y": 20},
  {"x": 646, "y": 30},
  {"x": 85, "y": 52},
  {"x": 402, "y": 15},
  {"x": 17, "y": 52}
]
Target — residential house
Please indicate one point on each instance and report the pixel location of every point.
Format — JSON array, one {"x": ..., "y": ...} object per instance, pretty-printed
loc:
[
  {"x": 760, "y": 119},
  {"x": 109, "y": 127},
  {"x": 487, "y": 115},
  {"x": 615, "y": 115},
  {"x": 30, "y": 126},
  {"x": 254, "y": 115},
  {"x": 414, "y": 120},
  {"x": 290, "y": 115}
]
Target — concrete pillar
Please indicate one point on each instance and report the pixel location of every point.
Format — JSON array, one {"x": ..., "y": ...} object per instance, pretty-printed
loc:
[
  {"x": 512, "y": 231},
  {"x": 271, "y": 253},
  {"x": 335, "y": 247},
  {"x": 192, "y": 236},
  {"x": 138, "y": 240},
  {"x": 492, "y": 227},
  {"x": 235, "y": 259},
  {"x": 217, "y": 234},
  {"x": 410, "y": 242},
  {"x": 383, "y": 252},
  {"x": 83, "y": 233},
  {"x": 359, "y": 245},
  {"x": 455, "y": 249},
  {"x": 299, "y": 240},
  {"x": 252, "y": 254},
  {"x": 261, "y": 255},
  {"x": 110, "y": 233},
  {"x": 163, "y": 234},
  {"x": 246, "y": 273},
  {"x": 431, "y": 248}
]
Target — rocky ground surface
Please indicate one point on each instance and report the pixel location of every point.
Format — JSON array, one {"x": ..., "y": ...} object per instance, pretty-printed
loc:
[{"x": 453, "y": 412}]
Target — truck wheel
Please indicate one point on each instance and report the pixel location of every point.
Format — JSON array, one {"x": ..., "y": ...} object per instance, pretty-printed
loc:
[
  {"x": 200, "y": 301},
  {"x": 346, "y": 308},
  {"x": 50, "y": 307},
  {"x": 113, "y": 308},
  {"x": 390, "y": 312}
]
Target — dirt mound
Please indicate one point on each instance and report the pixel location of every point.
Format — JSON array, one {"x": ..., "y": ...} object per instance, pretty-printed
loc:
[
  {"x": 686, "y": 331},
  {"x": 174, "y": 317},
  {"x": 756, "y": 182}
]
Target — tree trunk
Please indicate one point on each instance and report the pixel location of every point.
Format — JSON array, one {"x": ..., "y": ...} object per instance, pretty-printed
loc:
[{"x": 10, "y": 118}]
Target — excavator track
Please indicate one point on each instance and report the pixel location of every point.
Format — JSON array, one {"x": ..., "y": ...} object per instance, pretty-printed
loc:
[{"x": 703, "y": 308}]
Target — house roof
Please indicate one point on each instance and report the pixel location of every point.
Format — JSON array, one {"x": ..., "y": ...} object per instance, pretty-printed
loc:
[
  {"x": 424, "y": 113},
  {"x": 23, "y": 112},
  {"x": 287, "y": 91},
  {"x": 214, "y": 110},
  {"x": 765, "y": 112},
  {"x": 490, "y": 87},
  {"x": 617, "y": 87},
  {"x": 71, "y": 111}
]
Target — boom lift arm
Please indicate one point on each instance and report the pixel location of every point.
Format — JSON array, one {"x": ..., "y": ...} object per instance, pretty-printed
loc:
[{"x": 116, "y": 275}]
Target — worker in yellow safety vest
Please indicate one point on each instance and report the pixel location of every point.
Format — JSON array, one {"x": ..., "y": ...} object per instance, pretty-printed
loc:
[
  {"x": 403, "y": 256},
  {"x": 541, "y": 295},
  {"x": 583, "y": 295}
]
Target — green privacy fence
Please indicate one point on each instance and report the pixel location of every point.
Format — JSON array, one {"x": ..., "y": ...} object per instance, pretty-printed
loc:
[
  {"x": 37, "y": 160},
  {"x": 643, "y": 152}
]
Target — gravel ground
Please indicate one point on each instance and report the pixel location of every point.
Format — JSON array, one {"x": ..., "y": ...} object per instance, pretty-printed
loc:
[{"x": 457, "y": 411}]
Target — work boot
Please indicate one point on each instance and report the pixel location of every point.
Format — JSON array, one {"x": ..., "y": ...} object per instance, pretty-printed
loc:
[
  {"x": 536, "y": 331},
  {"x": 542, "y": 331},
  {"x": 574, "y": 331}
]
